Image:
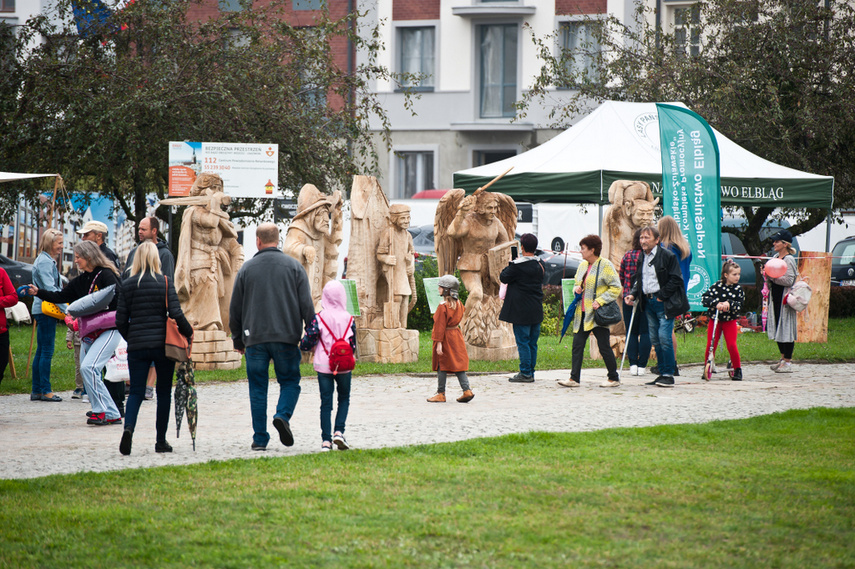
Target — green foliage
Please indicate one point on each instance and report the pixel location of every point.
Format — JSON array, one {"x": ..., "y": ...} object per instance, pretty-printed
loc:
[
  {"x": 774, "y": 76},
  {"x": 770, "y": 491},
  {"x": 420, "y": 317},
  {"x": 841, "y": 302},
  {"x": 101, "y": 110}
]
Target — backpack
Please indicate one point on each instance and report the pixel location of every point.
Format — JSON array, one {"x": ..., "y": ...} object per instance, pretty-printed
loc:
[
  {"x": 340, "y": 354},
  {"x": 799, "y": 296}
]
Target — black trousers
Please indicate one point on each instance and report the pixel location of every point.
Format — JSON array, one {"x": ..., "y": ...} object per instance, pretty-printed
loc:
[
  {"x": 4, "y": 352},
  {"x": 580, "y": 338}
]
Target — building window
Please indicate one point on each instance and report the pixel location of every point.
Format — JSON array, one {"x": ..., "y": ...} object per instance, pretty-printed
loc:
[
  {"x": 7, "y": 5},
  {"x": 687, "y": 34},
  {"x": 581, "y": 47},
  {"x": 498, "y": 70},
  {"x": 415, "y": 173},
  {"x": 307, "y": 4},
  {"x": 230, "y": 6},
  {"x": 417, "y": 55},
  {"x": 481, "y": 157}
]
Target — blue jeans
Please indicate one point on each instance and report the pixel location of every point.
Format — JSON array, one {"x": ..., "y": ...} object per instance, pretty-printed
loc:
[
  {"x": 328, "y": 382},
  {"x": 286, "y": 365},
  {"x": 637, "y": 339},
  {"x": 139, "y": 362},
  {"x": 45, "y": 338},
  {"x": 661, "y": 328},
  {"x": 526, "y": 337}
]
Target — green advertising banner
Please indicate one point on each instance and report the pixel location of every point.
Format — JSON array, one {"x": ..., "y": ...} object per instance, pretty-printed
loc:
[
  {"x": 691, "y": 191},
  {"x": 351, "y": 295}
]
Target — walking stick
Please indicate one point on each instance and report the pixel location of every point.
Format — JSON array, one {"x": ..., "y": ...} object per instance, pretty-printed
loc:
[
  {"x": 626, "y": 340},
  {"x": 30, "y": 354},
  {"x": 711, "y": 353}
]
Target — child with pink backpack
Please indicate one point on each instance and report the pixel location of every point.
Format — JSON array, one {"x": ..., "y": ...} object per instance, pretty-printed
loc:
[{"x": 332, "y": 336}]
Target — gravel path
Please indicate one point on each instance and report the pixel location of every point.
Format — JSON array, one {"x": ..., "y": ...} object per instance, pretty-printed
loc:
[{"x": 40, "y": 438}]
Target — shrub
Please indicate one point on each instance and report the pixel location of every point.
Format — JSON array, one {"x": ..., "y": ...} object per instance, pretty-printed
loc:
[
  {"x": 420, "y": 317},
  {"x": 841, "y": 302}
]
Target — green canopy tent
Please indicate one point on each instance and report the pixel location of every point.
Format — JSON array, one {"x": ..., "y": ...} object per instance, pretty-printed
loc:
[{"x": 620, "y": 141}]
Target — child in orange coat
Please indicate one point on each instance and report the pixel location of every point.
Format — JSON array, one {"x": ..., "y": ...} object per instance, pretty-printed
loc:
[{"x": 449, "y": 349}]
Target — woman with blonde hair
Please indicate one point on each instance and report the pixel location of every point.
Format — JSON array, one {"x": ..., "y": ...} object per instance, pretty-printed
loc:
[
  {"x": 96, "y": 273},
  {"x": 673, "y": 239},
  {"x": 45, "y": 276},
  {"x": 141, "y": 317}
]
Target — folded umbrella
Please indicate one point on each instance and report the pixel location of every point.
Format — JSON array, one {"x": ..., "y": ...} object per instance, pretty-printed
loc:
[
  {"x": 186, "y": 399},
  {"x": 568, "y": 316}
]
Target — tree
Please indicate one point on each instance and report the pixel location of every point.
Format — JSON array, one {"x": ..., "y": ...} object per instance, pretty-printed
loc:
[
  {"x": 775, "y": 76},
  {"x": 100, "y": 107}
]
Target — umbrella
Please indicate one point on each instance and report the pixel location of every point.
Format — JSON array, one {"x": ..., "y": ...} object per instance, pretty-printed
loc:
[
  {"x": 568, "y": 316},
  {"x": 185, "y": 399}
]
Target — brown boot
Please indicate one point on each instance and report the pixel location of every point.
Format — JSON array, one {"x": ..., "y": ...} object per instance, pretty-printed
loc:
[
  {"x": 438, "y": 398},
  {"x": 466, "y": 397}
]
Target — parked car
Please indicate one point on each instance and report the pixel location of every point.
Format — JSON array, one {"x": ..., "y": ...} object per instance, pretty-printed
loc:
[
  {"x": 731, "y": 245},
  {"x": 843, "y": 262},
  {"x": 19, "y": 273}
]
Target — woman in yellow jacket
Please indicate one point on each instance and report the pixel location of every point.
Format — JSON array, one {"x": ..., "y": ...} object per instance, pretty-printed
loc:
[{"x": 598, "y": 283}]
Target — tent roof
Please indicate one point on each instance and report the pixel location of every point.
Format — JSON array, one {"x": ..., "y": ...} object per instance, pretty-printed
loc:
[
  {"x": 620, "y": 141},
  {"x": 12, "y": 176}
]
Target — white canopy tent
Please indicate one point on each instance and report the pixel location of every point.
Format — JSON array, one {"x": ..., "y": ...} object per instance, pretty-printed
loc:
[
  {"x": 620, "y": 141},
  {"x": 12, "y": 176}
]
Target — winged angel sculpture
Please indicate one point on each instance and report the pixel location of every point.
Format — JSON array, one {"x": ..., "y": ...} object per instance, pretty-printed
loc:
[{"x": 474, "y": 234}]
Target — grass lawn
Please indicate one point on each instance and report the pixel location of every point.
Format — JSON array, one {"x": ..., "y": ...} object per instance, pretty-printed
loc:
[
  {"x": 551, "y": 355},
  {"x": 770, "y": 491}
]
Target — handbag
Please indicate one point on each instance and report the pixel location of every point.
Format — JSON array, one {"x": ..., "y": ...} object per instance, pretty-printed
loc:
[
  {"x": 609, "y": 313},
  {"x": 95, "y": 322},
  {"x": 799, "y": 296},
  {"x": 177, "y": 347}
]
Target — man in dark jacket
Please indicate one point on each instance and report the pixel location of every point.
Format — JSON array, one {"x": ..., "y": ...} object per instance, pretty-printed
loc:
[
  {"x": 96, "y": 232},
  {"x": 271, "y": 304},
  {"x": 658, "y": 285},
  {"x": 149, "y": 230},
  {"x": 523, "y": 306}
]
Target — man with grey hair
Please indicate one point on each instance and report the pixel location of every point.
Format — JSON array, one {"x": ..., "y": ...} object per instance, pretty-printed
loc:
[
  {"x": 96, "y": 232},
  {"x": 271, "y": 305}
]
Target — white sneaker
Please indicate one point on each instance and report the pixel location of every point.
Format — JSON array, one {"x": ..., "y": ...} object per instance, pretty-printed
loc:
[
  {"x": 633, "y": 370},
  {"x": 610, "y": 383},
  {"x": 568, "y": 383},
  {"x": 326, "y": 446},
  {"x": 338, "y": 440},
  {"x": 640, "y": 371},
  {"x": 774, "y": 367},
  {"x": 785, "y": 367}
]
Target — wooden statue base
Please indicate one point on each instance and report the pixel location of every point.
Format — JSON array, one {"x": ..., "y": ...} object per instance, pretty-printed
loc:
[
  {"x": 492, "y": 354},
  {"x": 387, "y": 346},
  {"x": 213, "y": 349}
]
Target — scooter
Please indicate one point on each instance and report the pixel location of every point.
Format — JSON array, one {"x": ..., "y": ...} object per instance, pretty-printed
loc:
[{"x": 710, "y": 363}]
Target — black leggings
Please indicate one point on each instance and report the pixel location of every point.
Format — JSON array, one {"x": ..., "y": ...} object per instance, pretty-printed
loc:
[
  {"x": 786, "y": 349},
  {"x": 4, "y": 352}
]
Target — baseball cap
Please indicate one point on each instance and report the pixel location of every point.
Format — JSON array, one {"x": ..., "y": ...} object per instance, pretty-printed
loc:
[
  {"x": 92, "y": 226},
  {"x": 783, "y": 235}
]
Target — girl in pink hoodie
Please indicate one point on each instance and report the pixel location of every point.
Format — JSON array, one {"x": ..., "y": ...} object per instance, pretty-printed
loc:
[{"x": 332, "y": 323}]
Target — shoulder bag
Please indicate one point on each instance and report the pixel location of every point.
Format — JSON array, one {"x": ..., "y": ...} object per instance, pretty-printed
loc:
[
  {"x": 609, "y": 313},
  {"x": 92, "y": 323},
  {"x": 178, "y": 348}
]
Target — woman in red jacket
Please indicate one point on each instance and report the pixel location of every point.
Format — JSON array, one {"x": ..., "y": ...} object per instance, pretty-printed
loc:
[{"x": 8, "y": 299}]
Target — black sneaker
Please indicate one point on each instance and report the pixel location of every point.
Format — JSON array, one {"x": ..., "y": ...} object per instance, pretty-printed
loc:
[
  {"x": 655, "y": 371},
  {"x": 258, "y": 447},
  {"x": 162, "y": 447},
  {"x": 665, "y": 381},
  {"x": 521, "y": 378},
  {"x": 284, "y": 431},
  {"x": 676, "y": 371},
  {"x": 655, "y": 381},
  {"x": 737, "y": 374},
  {"x": 127, "y": 440}
]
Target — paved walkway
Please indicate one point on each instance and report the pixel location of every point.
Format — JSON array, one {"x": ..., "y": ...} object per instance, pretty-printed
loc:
[{"x": 40, "y": 438}]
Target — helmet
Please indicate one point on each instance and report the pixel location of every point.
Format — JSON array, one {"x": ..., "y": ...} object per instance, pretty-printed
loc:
[{"x": 450, "y": 283}]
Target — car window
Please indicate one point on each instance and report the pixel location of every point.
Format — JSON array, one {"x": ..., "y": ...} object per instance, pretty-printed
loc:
[
  {"x": 846, "y": 252},
  {"x": 736, "y": 245}
]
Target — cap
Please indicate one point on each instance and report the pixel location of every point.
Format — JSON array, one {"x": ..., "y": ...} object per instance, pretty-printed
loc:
[
  {"x": 449, "y": 282},
  {"x": 399, "y": 208},
  {"x": 783, "y": 235},
  {"x": 92, "y": 226}
]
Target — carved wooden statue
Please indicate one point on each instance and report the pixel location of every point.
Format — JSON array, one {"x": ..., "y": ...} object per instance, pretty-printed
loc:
[
  {"x": 397, "y": 257},
  {"x": 209, "y": 255},
  {"x": 310, "y": 239},
  {"x": 381, "y": 261},
  {"x": 474, "y": 234}
]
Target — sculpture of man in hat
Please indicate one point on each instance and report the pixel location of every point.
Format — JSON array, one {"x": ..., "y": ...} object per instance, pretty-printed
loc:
[
  {"x": 312, "y": 241},
  {"x": 209, "y": 257},
  {"x": 397, "y": 256}
]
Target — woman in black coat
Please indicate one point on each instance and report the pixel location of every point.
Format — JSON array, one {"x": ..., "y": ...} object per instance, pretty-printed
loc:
[
  {"x": 523, "y": 306},
  {"x": 141, "y": 318}
]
